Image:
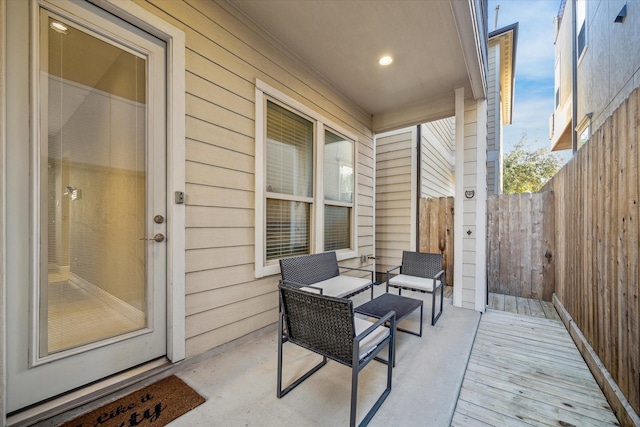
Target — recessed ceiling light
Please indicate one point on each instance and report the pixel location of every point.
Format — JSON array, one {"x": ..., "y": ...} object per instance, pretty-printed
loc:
[
  {"x": 385, "y": 60},
  {"x": 59, "y": 27}
]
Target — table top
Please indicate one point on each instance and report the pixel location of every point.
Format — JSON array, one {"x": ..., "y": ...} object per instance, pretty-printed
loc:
[{"x": 386, "y": 302}]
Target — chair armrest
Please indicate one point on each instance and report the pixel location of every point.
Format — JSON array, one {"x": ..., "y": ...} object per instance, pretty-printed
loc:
[
  {"x": 438, "y": 277},
  {"x": 389, "y": 317},
  {"x": 301, "y": 285},
  {"x": 441, "y": 276},
  {"x": 391, "y": 269},
  {"x": 359, "y": 269}
]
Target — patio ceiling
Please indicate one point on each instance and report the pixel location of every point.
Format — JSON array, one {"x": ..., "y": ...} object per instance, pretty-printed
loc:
[{"x": 433, "y": 44}]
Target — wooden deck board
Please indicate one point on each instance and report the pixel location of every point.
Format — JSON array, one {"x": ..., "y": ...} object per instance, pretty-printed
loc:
[
  {"x": 549, "y": 310},
  {"x": 536, "y": 308},
  {"x": 510, "y": 304},
  {"x": 525, "y": 370},
  {"x": 526, "y": 306},
  {"x": 523, "y": 306},
  {"x": 498, "y": 301}
]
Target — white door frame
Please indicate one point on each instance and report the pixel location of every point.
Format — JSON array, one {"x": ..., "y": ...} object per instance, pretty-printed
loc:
[{"x": 175, "y": 40}]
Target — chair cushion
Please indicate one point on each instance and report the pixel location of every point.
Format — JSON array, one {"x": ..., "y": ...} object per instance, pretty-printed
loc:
[
  {"x": 420, "y": 283},
  {"x": 340, "y": 286},
  {"x": 373, "y": 339}
]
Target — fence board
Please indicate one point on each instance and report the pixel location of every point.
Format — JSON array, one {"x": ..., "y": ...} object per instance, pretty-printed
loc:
[
  {"x": 520, "y": 234},
  {"x": 633, "y": 301},
  {"x": 436, "y": 231},
  {"x": 597, "y": 205}
]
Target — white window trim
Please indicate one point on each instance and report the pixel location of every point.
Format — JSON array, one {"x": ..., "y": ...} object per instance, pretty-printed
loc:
[
  {"x": 264, "y": 91},
  {"x": 584, "y": 125}
]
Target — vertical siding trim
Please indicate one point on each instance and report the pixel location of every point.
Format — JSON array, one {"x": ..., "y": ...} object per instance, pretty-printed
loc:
[
  {"x": 415, "y": 164},
  {"x": 459, "y": 198},
  {"x": 418, "y": 185},
  {"x": 3, "y": 244},
  {"x": 481, "y": 207}
]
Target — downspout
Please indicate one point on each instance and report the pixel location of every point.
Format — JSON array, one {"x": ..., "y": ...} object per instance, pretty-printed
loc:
[
  {"x": 574, "y": 77},
  {"x": 418, "y": 184}
]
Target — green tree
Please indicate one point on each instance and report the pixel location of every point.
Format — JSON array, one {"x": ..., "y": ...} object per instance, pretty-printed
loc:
[{"x": 524, "y": 170}]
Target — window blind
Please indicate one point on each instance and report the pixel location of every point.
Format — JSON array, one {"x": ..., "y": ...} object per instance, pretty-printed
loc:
[
  {"x": 337, "y": 228},
  {"x": 287, "y": 228},
  {"x": 289, "y": 172},
  {"x": 289, "y": 152}
]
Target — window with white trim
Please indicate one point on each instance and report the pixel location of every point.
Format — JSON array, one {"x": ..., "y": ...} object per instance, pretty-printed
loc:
[{"x": 305, "y": 181}]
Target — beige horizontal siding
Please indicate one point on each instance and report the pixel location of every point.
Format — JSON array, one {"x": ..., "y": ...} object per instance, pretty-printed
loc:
[
  {"x": 204, "y": 195},
  {"x": 217, "y": 336},
  {"x": 202, "y": 281},
  {"x": 225, "y": 54},
  {"x": 437, "y": 178},
  {"x": 393, "y": 198}
]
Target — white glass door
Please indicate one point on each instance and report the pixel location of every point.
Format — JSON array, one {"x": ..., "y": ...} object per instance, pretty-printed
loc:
[{"x": 95, "y": 303}]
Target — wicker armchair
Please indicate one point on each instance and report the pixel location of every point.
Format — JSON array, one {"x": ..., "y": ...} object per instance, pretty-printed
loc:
[
  {"x": 420, "y": 272},
  {"x": 327, "y": 326}
]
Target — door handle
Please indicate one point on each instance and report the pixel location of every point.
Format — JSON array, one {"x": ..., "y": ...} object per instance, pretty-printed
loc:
[{"x": 158, "y": 238}]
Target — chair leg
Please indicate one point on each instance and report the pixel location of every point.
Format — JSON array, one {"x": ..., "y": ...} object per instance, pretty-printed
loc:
[
  {"x": 435, "y": 318},
  {"x": 280, "y": 341},
  {"x": 357, "y": 366},
  {"x": 354, "y": 394},
  {"x": 280, "y": 392}
]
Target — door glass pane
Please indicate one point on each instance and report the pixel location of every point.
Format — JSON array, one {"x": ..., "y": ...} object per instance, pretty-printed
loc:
[{"x": 93, "y": 188}]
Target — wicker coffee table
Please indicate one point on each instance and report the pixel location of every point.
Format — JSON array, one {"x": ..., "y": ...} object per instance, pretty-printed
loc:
[{"x": 403, "y": 306}]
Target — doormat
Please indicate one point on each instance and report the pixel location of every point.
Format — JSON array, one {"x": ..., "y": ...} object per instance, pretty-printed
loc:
[{"x": 155, "y": 405}]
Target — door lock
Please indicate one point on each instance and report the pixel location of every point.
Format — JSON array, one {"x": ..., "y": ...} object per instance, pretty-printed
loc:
[
  {"x": 158, "y": 238},
  {"x": 158, "y": 219}
]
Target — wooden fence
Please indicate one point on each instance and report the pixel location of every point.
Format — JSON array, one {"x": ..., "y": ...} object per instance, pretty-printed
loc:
[
  {"x": 436, "y": 230},
  {"x": 597, "y": 204},
  {"x": 520, "y": 245}
]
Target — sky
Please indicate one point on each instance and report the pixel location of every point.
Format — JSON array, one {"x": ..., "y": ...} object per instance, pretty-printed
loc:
[{"x": 534, "y": 69}]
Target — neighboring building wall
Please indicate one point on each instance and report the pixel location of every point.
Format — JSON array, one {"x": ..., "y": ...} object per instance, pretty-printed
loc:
[
  {"x": 437, "y": 162},
  {"x": 494, "y": 120},
  {"x": 560, "y": 123},
  {"x": 395, "y": 196},
  {"x": 609, "y": 69},
  {"x": 225, "y": 55}
]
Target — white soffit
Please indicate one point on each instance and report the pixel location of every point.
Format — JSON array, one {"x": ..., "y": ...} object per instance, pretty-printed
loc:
[{"x": 343, "y": 40}]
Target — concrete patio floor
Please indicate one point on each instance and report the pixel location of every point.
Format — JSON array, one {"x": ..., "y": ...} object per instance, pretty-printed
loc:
[{"x": 240, "y": 382}]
